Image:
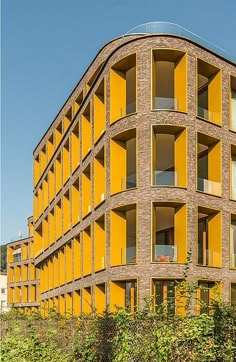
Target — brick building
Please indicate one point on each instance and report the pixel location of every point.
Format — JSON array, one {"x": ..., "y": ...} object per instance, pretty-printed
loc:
[{"x": 136, "y": 173}]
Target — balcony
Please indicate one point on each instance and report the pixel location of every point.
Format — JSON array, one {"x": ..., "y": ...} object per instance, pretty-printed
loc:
[
  {"x": 165, "y": 178},
  {"x": 123, "y": 88},
  {"x": 169, "y": 226},
  {"x": 209, "y": 92},
  {"x": 165, "y": 103},
  {"x": 166, "y": 253},
  {"x": 123, "y": 235},
  {"x": 208, "y": 186},
  {"x": 209, "y": 164},
  {"x": 169, "y": 85},
  {"x": 123, "y": 161}
]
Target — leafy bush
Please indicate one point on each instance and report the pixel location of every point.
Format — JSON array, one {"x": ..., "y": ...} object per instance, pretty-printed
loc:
[{"x": 122, "y": 337}]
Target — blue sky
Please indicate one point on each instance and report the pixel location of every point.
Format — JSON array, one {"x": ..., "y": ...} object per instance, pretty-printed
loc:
[{"x": 46, "y": 47}]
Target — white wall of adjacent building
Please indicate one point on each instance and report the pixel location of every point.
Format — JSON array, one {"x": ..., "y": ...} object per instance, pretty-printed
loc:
[{"x": 3, "y": 292}]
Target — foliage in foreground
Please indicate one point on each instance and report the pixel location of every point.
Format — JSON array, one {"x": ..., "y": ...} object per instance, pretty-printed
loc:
[{"x": 122, "y": 336}]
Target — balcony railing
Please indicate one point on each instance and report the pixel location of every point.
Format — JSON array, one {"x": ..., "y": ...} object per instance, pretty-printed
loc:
[
  {"x": 165, "y": 103},
  {"x": 209, "y": 258},
  {"x": 233, "y": 193},
  {"x": 208, "y": 186},
  {"x": 165, "y": 178},
  {"x": 166, "y": 253},
  {"x": 128, "y": 255},
  {"x": 129, "y": 182},
  {"x": 233, "y": 260},
  {"x": 208, "y": 115},
  {"x": 128, "y": 109}
]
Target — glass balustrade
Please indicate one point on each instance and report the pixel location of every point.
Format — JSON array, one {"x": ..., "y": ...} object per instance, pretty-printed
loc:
[
  {"x": 233, "y": 260},
  {"x": 165, "y": 103},
  {"x": 165, "y": 178},
  {"x": 166, "y": 253},
  {"x": 233, "y": 193},
  {"x": 130, "y": 108},
  {"x": 208, "y": 115},
  {"x": 208, "y": 186},
  {"x": 129, "y": 182},
  {"x": 128, "y": 255},
  {"x": 208, "y": 257},
  {"x": 162, "y": 27}
]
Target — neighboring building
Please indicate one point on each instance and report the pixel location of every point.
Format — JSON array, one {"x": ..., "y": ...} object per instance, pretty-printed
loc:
[
  {"x": 3, "y": 292},
  {"x": 23, "y": 283},
  {"x": 137, "y": 170}
]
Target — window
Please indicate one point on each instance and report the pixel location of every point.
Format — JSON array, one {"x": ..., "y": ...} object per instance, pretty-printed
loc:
[
  {"x": 123, "y": 153},
  {"x": 168, "y": 292},
  {"x": 123, "y": 293},
  {"x": 170, "y": 170},
  {"x": 209, "y": 92},
  {"x": 123, "y": 235},
  {"x": 3, "y": 290},
  {"x": 169, "y": 233},
  {"x": 209, "y": 237},
  {"x": 123, "y": 88},
  {"x": 208, "y": 164},
  {"x": 169, "y": 80},
  {"x": 208, "y": 292}
]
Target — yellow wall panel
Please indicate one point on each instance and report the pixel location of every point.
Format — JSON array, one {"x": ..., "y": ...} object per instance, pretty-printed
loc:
[
  {"x": 215, "y": 98},
  {"x": 69, "y": 310},
  {"x": 51, "y": 181},
  {"x": 86, "y": 135},
  {"x": 58, "y": 174},
  {"x": 55, "y": 271},
  {"x": 66, "y": 162},
  {"x": 62, "y": 270},
  {"x": 87, "y": 252},
  {"x": 58, "y": 221},
  {"x": 76, "y": 303},
  {"x": 66, "y": 213},
  {"x": 75, "y": 148},
  {"x": 86, "y": 301},
  {"x": 118, "y": 238},
  {"x": 75, "y": 203},
  {"x": 117, "y": 295},
  {"x": 51, "y": 227},
  {"x": 77, "y": 258},
  {"x": 180, "y": 232},
  {"x": 99, "y": 114},
  {"x": 99, "y": 180},
  {"x": 100, "y": 298},
  {"x": 68, "y": 262},
  {"x": 86, "y": 193},
  {"x": 45, "y": 234},
  {"x": 180, "y": 83},
  {"x": 215, "y": 237},
  {"x": 214, "y": 162},
  {"x": 99, "y": 245},
  {"x": 117, "y": 95},
  {"x": 180, "y": 154},
  {"x": 118, "y": 157}
]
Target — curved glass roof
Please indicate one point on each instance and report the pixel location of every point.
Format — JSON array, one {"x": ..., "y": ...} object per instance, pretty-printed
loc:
[{"x": 161, "y": 27}]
